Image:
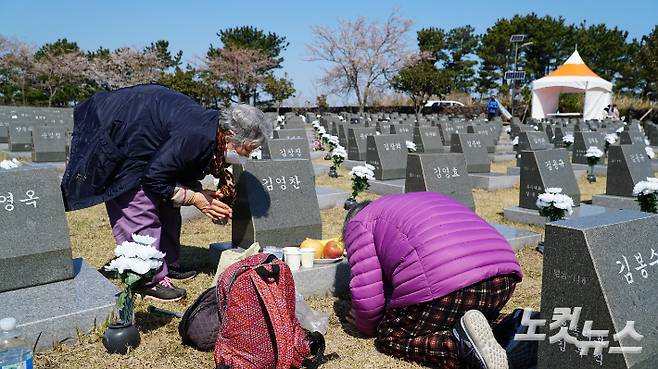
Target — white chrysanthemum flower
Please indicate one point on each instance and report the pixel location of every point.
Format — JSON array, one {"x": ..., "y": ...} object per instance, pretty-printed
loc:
[
  {"x": 333, "y": 140},
  {"x": 280, "y": 118},
  {"x": 568, "y": 139},
  {"x": 515, "y": 141},
  {"x": 256, "y": 154},
  {"x": 646, "y": 187},
  {"x": 143, "y": 239},
  {"x": 371, "y": 167},
  {"x": 322, "y": 131},
  {"x": 136, "y": 265},
  {"x": 554, "y": 190},
  {"x": 363, "y": 171},
  {"x": 536, "y": 128},
  {"x": 411, "y": 146},
  {"x": 339, "y": 151},
  {"x": 8, "y": 164},
  {"x": 647, "y": 142},
  {"x": 137, "y": 250},
  {"x": 611, "y": 138},
  {"x": 508, "y": 130},
  {"x": 594, "y": 152},
  {"x": 620, "y": 130},
  {"x": 377, "y": 133},
  {"x": 557, "y": 200},
  {"x": 650, "y": 153}
]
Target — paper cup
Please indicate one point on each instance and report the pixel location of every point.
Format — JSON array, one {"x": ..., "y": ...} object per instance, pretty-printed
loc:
[
  {"x": 293, "y": 258},
  {"x": 308, "y": 255}
]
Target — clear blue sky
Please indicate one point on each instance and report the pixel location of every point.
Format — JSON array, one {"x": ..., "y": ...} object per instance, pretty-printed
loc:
[{"x": 191, "y": 25}]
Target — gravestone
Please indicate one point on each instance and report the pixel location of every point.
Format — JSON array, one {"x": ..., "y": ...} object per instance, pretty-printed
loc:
[
  {"x": 443, "y": 173},
  {"x": 357, "y": 142},
  {"x": 477, "y": 159},
  {"x": 388, "y": 154},
  {"x": 290, "y": 133},
  {"x": 277, "y": 204},
  {"x": 544, "y": 169},
  {"x": 49, "y": 144},
  {"x": 35, "y": 237},
  {"x": 583, "y": 141},
  {"x": 294, "y": 123},
  {"x": 4, "y": 130},
  {"x": 446, "y": 129},
  {"x": 487, "y": 134},
  {"x": 428, "y": 140},
  {"x": 533, "y": 141},
  {"x": 631, "y": 138},
  {"x": 20, "y": 136},
  {"x": 286, "y": 148},
  {"x": 342, "y": 134},
  {"x": 606, "y": 265},
  {"x": 407, "y": 130},
  {"x": 627, "y": 165}
]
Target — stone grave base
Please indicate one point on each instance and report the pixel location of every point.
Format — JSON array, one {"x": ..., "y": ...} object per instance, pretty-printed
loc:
[
  {"x": 529, "y": 216},
  {"x": 517, "y": 238},
  {"x": 329, "y": 197},
  {"x": 323, "y": 279},
  {"x": 498, "y": 158},
  {"x": 49, "y": 157},
  {"x": 315, "y": 155},
  {"x": 320, "y": 280},
  {"x": 493, "y": 181},
  {"x": 517, "y": 171},
  {"x": 349, "y": 164},
  {"x": 59, "y": 310},
  {"x": 387, "y": 187},
  {"x": 615, "y": 202},
  {"x": 599, "y": 169},
  {"x": 320, "y": 169},
  {"x": 15, "y": 154},
  {"x": 504, "y": 148}
]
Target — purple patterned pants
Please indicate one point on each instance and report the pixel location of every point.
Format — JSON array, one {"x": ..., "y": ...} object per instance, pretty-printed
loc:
[{"x": 138, "y": 212}]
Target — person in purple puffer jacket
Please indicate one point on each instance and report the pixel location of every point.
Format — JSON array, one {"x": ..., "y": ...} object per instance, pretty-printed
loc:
[{"x": 428, "y": 277}]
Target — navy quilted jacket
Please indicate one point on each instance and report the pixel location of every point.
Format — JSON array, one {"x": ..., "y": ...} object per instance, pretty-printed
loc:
[{"x": 144, "y": 135}]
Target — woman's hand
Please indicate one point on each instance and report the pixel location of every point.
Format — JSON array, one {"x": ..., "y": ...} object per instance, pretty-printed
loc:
[{"x": 206, "y": 201}]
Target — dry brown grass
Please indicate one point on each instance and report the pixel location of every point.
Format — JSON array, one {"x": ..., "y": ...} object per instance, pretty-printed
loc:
[{"x": 161, "y": 348}]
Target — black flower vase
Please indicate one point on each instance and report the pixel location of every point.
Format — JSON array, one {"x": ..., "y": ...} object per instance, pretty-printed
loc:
[
  {"x": 119, "y": 337},
  {"x": 333, "y": 173},
  {"x": 349, "y": 204},
  {"x": 591, "y": 178},
  {"x": 327, "y": 157}
]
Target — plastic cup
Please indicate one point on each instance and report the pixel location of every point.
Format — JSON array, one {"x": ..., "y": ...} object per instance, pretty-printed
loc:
[
  {"x": 308, "y": 255},
  {"x": 293, "y": 257}
]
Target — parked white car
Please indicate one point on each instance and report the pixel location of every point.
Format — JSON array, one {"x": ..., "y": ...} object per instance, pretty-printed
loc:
[{"x": 443, "y": 103}]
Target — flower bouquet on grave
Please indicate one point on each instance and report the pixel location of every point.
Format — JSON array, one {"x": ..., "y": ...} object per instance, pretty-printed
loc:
[
  {"x": 647, "y": 195},
  {"x": 554, "y": 205},
  {"x": 650, "y": 153},
  {"x": 10, "y": 164},
  {"x": 567, "y": 140},
  {"x": 135, "y": 263},
  {"x": 515, "y": 144},
  {"x": 338, "y": 156},
  {"x": 256, "y": 154},
  {"x": 594, "y": 155},
  {"x": 332, "y": 142},
  {"x": 411, "y": 147},
  {"x": 361, "y": 174},
  {"x": 610, "y": 139}
]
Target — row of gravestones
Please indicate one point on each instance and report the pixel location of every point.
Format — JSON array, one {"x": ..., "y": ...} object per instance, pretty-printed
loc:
[
  {"x": 32, "y": 117},
  {"x": 47, "y": 143}
]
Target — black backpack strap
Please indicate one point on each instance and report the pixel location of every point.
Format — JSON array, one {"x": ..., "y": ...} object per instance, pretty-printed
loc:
[{"x": 266, "y": 274}]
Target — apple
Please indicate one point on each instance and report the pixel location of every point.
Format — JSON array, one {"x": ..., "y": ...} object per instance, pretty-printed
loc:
[{"x": 332, "y": 251}]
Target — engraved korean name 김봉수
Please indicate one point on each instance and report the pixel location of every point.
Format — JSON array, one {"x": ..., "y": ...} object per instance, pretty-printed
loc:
[{"x": 642, "y": 266}]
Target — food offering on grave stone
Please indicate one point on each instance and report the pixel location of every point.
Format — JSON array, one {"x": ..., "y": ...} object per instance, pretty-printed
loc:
[{"x": 331, "y": 248}]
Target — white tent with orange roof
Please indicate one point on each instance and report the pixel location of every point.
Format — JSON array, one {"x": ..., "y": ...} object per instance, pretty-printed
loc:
[{"x": 574, "y": 76}]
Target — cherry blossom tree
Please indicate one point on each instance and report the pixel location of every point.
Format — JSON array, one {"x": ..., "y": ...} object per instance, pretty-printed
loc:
[
  {"x": 17, "y": 63},
  {"x": 55, "y": 71},
  {"x": 127, "y": 67},
  {"x": 239, "y": 70},
  {"x": 361, "y": 54}
]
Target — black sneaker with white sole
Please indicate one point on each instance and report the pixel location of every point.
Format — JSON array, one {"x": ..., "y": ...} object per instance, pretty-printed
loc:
[
  {"x": 477, "y": 345},
  {"x": 179, "y": 274},
  {"x": 164, "y": 291}
]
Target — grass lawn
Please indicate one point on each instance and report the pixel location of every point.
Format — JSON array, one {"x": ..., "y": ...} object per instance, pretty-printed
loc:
[{"x": 161, "y": 348}]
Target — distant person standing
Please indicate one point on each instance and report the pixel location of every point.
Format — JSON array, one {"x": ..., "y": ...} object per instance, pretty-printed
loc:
[{"x": 492, "y": 108}]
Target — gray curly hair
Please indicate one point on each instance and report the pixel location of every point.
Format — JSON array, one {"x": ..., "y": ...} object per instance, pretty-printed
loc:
[{"x": 249, "y": 125}]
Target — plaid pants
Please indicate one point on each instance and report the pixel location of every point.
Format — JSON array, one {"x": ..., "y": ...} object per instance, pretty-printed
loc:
[{"x": 423, "y": 332}]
